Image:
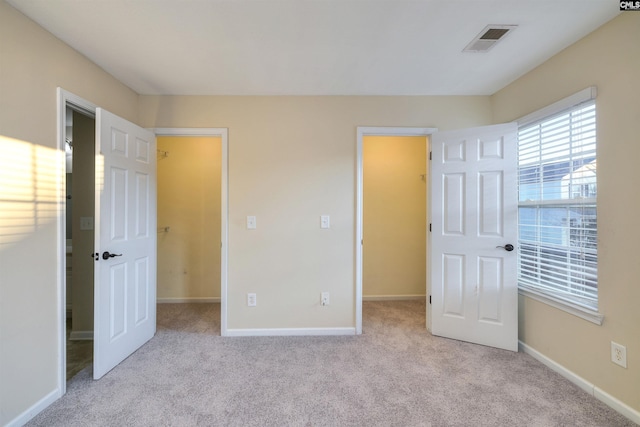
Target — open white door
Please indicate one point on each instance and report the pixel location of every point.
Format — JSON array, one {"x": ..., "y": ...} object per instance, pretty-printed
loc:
[
  {"x": 474, "y": 230},
  {"x": 125, "y": 246}
]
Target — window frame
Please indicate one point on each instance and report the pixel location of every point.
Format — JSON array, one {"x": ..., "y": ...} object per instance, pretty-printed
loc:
[{"x": 549, "y": 297}]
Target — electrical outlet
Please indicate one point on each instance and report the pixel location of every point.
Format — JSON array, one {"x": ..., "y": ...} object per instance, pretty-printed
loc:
[
  {"x": 324, "y": 298},
  {"x": 252, "y": 300},
  {"x": 619, "y": 354}
]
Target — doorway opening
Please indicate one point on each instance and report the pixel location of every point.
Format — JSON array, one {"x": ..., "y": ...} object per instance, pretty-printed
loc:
[
  {"x": 79, "y": 237},
  {"x": 189, "y": 227},
  {"x": 75, "y": 116},
  {"x": 394, "y": 218},
  {"x": 392, "y": 231},
  {"x": 192, "y": 228}
]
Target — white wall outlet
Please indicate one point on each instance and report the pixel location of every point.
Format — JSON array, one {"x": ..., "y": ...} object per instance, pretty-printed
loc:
[
  {"x": 251, "y": 223},
  {"x": 324, "y": 298},
  {"x": 252, "y": 301},
  {"x": 619, "y": 354},
  {"x": 325, "y": 221}
]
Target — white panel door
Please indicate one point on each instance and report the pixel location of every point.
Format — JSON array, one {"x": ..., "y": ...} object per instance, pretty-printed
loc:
[
  {"x": 125, "y": 254},
  {"x": 474, "y": 293}
]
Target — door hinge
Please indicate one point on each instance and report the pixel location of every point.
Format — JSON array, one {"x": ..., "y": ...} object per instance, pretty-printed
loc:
[
  {"x": 430, "y": 155},
  {"x": 429, "y": 227},
  {"x": 429, "y": 299},
  {"x": 362, "y": 242}
]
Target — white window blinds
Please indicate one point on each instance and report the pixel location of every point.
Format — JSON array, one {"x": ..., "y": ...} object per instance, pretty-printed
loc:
[{"x": 557, "y": 205}]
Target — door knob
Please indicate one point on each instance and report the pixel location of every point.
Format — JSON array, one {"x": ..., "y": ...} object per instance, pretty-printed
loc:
[
  {"x": 107, "y": 255},
  {"x": 508, "y": 247}
]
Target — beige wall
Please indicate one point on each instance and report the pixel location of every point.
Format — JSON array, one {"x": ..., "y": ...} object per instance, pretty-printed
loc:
[
  {"x": 609, "y": 58},
  {"x": 32, "y": 64},
  {"x": 189, "y": 203},
  {"x": 292, "y": 159},
  {"x": 394, "y": 215}
]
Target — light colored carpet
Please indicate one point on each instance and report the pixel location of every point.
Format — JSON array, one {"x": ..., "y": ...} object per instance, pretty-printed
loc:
[
  {"x": 395, "y": 374},
  {"x": 79, "y": 354}
]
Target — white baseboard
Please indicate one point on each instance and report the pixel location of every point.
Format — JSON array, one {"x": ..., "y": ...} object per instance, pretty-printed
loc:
[
  {"x": 81, "y": 335},
  {"x": 187, "y": 300},
  {"x": 616, "y": 405},
  {"x": 289, "y": 332},
  {"x": 35, "y": 409},
  {"x": 585, "y": 385},
  {"x": 393, "y": 297}
]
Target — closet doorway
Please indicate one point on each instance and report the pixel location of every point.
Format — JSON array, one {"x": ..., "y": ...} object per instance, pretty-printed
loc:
[
  {"x": 392, "y": 216},
  {"x": 191, "y": 230},
  {"x": 394, "y": 224}
]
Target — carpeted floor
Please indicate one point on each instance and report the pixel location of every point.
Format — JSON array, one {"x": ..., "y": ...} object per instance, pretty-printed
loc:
[
  {"x": 79, "y": 354},
  {"x": 395, "y": 374}
]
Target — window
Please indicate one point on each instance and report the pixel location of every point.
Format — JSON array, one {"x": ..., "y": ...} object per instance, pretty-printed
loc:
[{"x": 557, "y": 218}]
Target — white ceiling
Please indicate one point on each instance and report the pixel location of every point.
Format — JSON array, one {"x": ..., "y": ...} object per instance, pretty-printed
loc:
[{"x": 315, "y": 47}]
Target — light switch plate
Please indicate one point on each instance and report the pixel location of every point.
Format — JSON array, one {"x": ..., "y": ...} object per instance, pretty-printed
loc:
[
  {"x": 86, "y": 223},
  {"x": 251, "y": 223},
  {"x": 252, "y": 300},
  {"x": 325, "y": 221}
]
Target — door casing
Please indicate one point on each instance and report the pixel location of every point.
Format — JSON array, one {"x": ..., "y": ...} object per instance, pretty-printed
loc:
[{"x": 64, "y": 98}]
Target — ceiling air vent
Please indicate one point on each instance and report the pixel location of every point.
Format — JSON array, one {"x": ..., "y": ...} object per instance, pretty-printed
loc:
[{"x": 488, "y": 37}]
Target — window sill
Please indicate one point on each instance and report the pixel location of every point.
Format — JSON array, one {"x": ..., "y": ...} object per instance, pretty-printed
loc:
[{"x": 575, "y": 309}]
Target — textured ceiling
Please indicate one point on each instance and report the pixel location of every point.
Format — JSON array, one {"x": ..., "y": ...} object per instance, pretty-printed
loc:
[{"x": 315, "y": 47}]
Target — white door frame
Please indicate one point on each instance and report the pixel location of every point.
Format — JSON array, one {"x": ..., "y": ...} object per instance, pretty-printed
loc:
[
  {"x": 64, "y": 98},
  {"x": 383, "y": 131},
  {"x": 223, "y": 134}
]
